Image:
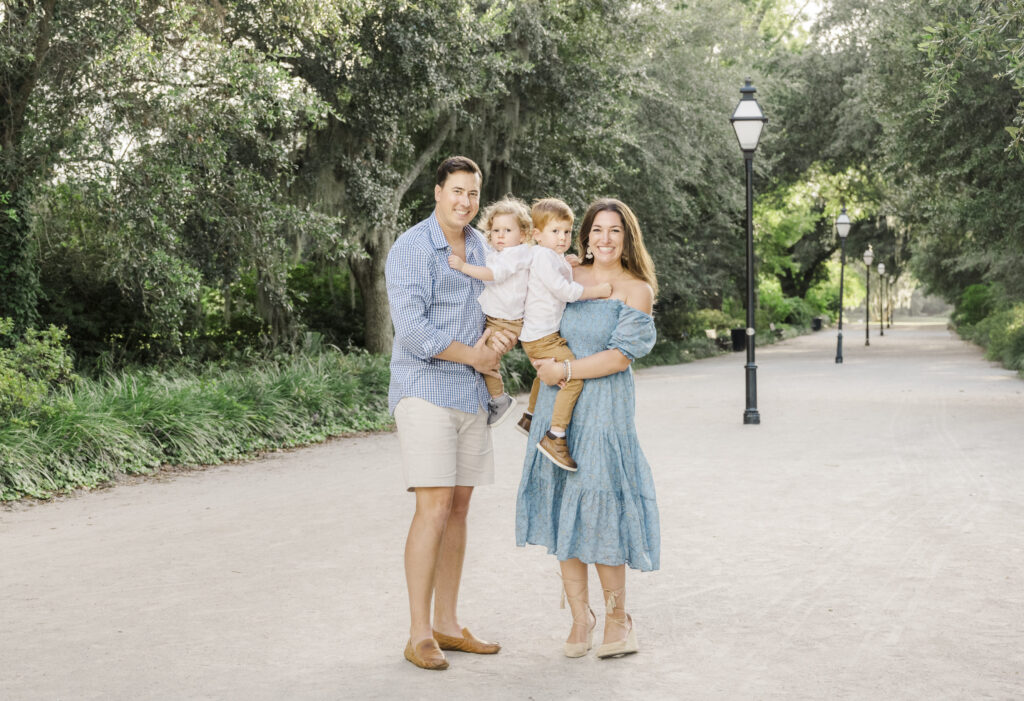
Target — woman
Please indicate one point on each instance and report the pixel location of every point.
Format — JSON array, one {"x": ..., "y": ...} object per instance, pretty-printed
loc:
[{"x": 605, "y": 513}]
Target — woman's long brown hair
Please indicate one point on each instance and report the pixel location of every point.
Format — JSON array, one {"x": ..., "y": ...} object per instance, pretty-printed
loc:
[{"x": 635, "y": 258}]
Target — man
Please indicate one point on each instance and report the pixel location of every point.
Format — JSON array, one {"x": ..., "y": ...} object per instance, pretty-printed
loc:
[{"x": 439, "y": 400}]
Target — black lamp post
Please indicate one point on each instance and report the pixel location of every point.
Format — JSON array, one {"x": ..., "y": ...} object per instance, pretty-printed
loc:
[
  {"x": 869, "y": 256},
  {"x": 842, "y": 228},
  {"x": 890, "y": 301},
  {"x": 748, "y": 120},
  {"x": 881, "y": 299}
]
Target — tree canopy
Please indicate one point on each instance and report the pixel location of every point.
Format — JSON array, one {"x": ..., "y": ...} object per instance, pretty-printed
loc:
[{"x": 177, "y": 179}]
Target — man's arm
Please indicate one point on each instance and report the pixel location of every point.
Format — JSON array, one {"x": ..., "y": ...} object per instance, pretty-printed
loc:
[
  {"x": 481, "y": 357},
  {"x": 410, "y": 293}
]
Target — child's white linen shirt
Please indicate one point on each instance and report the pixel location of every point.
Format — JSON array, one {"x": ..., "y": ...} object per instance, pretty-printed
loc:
[
  {"x": 549, "y": 289},
  {"x": 505, "y": 297}
]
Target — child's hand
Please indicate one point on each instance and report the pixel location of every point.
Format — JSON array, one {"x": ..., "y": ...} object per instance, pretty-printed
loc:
[
  {"x": 603, "y": 290},
  {"x": 455, "y": 262},
  {"x": 573, "y": 260}
]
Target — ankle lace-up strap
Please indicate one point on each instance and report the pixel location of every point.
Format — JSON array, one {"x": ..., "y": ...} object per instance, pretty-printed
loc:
[
  {"x": 577, "y": 597},
  {"x": 612, "y": 598}
]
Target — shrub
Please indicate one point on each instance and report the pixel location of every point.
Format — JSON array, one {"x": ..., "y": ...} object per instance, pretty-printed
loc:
[
  {"x": 135, "y": 420},
  {"x": 516, "y": 371},
  {"x": 998, "y": 333},
  {"x": 33, "y": 367},
  {"x": 1013, "y": 354},
  {"x": 975, "y": 303},
  {"x": 801, "y": 312},
  {"x": 712, "y": 319},
  {"x": 771, "y": 300}
]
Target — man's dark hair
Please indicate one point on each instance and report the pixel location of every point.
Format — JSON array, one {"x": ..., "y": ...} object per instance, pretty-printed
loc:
[{"x": 454, "y": 165}]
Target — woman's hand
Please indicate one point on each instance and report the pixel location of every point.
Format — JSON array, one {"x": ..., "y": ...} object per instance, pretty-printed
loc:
[
  {"x": 550, "y": 371},
  {"x": 573, "y": 259}
]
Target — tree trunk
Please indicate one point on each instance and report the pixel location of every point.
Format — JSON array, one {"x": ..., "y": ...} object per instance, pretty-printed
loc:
[
  {"x": 273, "y": 309},
  {"x": 19, "y": 281},
  {"x": 369, "y": 275}
]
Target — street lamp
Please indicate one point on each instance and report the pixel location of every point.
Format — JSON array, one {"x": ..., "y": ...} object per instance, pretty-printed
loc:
[
  {"x": 842, "y": 228},
  {"x": 869, "y": 256},
  {"x": 890, "y": 300},
  {"x": 747, "y": 121},
  {"x": 881, "y": 299}
]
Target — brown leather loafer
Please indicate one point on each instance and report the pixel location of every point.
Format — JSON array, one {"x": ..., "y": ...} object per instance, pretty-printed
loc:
[
  {"x": 426, "y": 654},
  {"x": 467, "y": 643}
]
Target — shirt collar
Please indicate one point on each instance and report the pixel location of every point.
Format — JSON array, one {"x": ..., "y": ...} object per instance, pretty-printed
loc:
[{"x": 439, "y": 240}]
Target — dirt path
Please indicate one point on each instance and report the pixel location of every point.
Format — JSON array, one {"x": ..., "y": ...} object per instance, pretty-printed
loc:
[{"x": 864, "y": 542}]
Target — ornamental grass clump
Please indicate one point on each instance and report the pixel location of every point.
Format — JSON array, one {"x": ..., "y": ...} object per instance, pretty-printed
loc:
[{"x": 133, "y": 421}]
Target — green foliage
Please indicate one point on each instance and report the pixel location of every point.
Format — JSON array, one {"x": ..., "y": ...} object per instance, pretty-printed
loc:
[
  {"x": 34, "y": 368},
  {"x": 198, "y": 196},
  {"x": 133, "y": 421},
  {"x": 1001, "y": 334},
  {"x": 516, "y": 371},
  {"x": 668, "y": 351},
  {"x": 779, "y": 309},
  {"x": 967, "y": 32},
  {"x": 716, "y": 319},
  {"x": 325, "y": 298},
  {"x": 47, "y": 52},
  {"x": 975, "y": 303}
]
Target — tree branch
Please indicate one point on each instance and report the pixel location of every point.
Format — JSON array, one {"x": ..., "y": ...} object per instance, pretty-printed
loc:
[{"x": 425, "y": 157}]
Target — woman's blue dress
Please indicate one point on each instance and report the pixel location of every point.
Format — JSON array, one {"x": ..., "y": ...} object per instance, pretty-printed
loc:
[{"x": 605, "y": 512}]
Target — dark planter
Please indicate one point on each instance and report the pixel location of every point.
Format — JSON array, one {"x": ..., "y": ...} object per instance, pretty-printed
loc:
[{"x": 739, "y": 339}]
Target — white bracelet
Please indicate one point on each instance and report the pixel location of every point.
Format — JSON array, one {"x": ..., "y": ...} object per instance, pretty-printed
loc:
[{"x": 568, "y": 370}]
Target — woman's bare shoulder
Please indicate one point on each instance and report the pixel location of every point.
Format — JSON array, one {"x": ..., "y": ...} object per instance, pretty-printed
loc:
[
  {"x": 639, "y": 294},
  {"x": 582, "y": 274}
]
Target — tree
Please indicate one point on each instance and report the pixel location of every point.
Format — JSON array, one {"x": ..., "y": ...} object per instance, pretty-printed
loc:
[
  {"x": 47, "y": 53},
  {"x": 951, "y": 181},
  {"x": 395, "y": 76},
  {"x": 179, "y": 183},
  {"x": 966, "y": 33}
]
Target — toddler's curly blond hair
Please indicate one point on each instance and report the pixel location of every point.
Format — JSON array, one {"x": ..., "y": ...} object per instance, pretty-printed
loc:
[{"x": 508, "y": 205}]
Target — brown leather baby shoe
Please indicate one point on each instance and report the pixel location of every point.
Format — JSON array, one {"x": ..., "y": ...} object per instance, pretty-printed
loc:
[
  {"x": 523, "y": 425},
  {"x": 556, "y": 450}
]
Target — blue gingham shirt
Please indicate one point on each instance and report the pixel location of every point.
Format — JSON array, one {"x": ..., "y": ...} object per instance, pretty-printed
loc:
[{"x": 431, "y": 306}]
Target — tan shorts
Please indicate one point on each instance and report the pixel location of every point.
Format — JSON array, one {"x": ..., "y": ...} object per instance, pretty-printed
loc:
[{"x": 443, "y": 447}]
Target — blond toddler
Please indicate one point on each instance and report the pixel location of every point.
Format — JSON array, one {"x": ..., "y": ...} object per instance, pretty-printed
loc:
[
  {"x": 549, "y": 289},
  {"x": 505, "y": 273}
]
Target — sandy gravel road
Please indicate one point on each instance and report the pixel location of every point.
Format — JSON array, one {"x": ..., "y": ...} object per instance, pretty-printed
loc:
[{"x": 866, "y": 541}]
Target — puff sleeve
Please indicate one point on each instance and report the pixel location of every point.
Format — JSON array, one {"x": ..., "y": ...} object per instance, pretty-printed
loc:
[{"x": 635, "y": 333}]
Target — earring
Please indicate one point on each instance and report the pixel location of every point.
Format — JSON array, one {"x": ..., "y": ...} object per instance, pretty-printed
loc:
[{"x": 590, "y": 253}]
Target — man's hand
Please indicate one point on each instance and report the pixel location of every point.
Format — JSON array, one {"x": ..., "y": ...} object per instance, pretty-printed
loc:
[
  {"x": 455, "y": 263},
  {"x": 486, "y": 360}
]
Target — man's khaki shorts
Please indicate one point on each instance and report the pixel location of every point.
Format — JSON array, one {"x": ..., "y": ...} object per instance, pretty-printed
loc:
[{"x": 443, "y": 447}]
